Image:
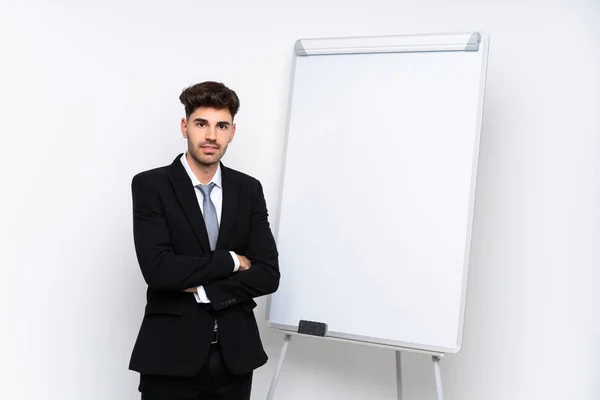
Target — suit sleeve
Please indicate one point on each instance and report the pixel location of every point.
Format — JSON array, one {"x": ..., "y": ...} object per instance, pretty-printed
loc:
[
  {"x": 161, "y": 268},
  {"x": 263, "y": 276}
]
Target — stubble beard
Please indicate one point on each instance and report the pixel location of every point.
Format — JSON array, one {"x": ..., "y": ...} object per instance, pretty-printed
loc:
[{"x": 204, "y": 160}]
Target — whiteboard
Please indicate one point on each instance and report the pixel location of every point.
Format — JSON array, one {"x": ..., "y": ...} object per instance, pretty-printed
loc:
[{"x": 378, "y": 188}]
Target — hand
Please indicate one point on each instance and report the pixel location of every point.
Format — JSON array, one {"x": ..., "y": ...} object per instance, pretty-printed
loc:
[
  {"x": 244, "y": 263},
  {"x": 191, "y": 290}
]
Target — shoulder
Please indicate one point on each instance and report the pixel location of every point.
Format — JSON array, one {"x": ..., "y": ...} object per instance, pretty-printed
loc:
[
  {"x": 250, "y": 185},
  {"x": 152, "y": 177},
  {"x": 239, "y": 177}
]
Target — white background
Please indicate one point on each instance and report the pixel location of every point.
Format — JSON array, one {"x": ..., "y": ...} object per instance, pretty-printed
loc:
[{"x": 88, "y": 97}]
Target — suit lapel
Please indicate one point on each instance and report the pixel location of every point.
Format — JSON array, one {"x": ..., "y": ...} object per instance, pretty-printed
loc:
[
  {"x": 231, "y": 192},
  {"x": 189, "y": 202}
]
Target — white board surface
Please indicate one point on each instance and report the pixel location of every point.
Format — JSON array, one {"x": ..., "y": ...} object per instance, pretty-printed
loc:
[{"x": 378, "y": 189}]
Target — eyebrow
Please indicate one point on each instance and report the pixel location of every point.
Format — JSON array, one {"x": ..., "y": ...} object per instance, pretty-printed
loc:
[{"x": 206, "y": 122}]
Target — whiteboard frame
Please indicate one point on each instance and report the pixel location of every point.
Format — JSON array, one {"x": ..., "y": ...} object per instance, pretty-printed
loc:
[{"x": 470, "y": 41}]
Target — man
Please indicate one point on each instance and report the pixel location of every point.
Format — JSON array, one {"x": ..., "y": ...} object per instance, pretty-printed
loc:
[{"x": 205, "y": 249}]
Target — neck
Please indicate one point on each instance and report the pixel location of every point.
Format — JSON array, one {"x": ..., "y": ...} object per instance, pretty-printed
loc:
[{"x": 204, "y": 173}]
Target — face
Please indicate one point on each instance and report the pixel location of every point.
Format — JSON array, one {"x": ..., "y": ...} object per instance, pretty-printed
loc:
[{"x": 208, "y": 132}]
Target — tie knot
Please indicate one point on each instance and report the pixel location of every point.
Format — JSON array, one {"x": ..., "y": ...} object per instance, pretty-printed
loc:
[{"x": 206, "y": 189}]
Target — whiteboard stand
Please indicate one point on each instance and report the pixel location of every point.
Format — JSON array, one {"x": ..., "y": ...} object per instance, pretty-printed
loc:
[
  {"x": 286, "y": 341},
  {"x": 438, "y": 377},
  {"x": 399, "y": 374},
  {"x": 436, "y": 369},
  {"x": 436, "y": 358}
]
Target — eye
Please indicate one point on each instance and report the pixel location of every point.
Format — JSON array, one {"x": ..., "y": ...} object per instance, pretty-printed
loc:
[
  {"x": 201, "y": 124},
  {"x": 222, "y": 126}
]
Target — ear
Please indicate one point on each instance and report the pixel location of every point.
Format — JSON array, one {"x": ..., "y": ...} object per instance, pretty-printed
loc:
[
  {"x": 184, "y": 128},
  {"x": 232, "y": 132}
]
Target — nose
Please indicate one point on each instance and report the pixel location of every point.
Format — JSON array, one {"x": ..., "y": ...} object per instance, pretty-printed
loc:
[{"x": 211, "y": 134}]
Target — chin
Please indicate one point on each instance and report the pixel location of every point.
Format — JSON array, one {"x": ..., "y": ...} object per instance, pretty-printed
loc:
[
  {"x": 209, "y": 161},
  {"x": 202, "y": 159}
]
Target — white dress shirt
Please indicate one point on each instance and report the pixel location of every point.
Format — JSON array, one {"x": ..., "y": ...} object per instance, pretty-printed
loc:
[{"x": 216, "y": 195}]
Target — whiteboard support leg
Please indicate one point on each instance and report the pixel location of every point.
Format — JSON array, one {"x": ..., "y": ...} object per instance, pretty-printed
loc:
[
  {"x": 286, "y": 341},
  {"x": 399, "y": 374},
  {"x": 438, "y": 377}
]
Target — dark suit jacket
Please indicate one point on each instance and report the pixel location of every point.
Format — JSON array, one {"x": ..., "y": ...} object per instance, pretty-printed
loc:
[{"x": 174, "y": 254}]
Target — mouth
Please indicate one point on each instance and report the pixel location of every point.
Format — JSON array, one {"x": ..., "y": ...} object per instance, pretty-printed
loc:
[{"x": 209, "y": 149}]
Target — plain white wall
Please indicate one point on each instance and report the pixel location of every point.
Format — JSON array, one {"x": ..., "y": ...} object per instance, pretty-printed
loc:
[{"x": 88, "y": 97}]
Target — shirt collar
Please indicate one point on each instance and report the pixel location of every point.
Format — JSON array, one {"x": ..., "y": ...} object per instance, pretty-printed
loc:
[{"x": 216, "y": 177}]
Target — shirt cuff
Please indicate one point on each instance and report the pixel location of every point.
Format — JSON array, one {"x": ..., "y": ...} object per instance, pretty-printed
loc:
[
  {"x": 201, "y": 296},
  {"x": 236, "y": 261}
]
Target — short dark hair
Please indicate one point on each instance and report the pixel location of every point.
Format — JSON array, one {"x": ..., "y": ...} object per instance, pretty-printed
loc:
[{"x": 209, "y": 94}]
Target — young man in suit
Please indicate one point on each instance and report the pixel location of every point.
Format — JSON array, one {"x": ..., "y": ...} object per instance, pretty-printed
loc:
[{"x": 205, "y": 249}]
